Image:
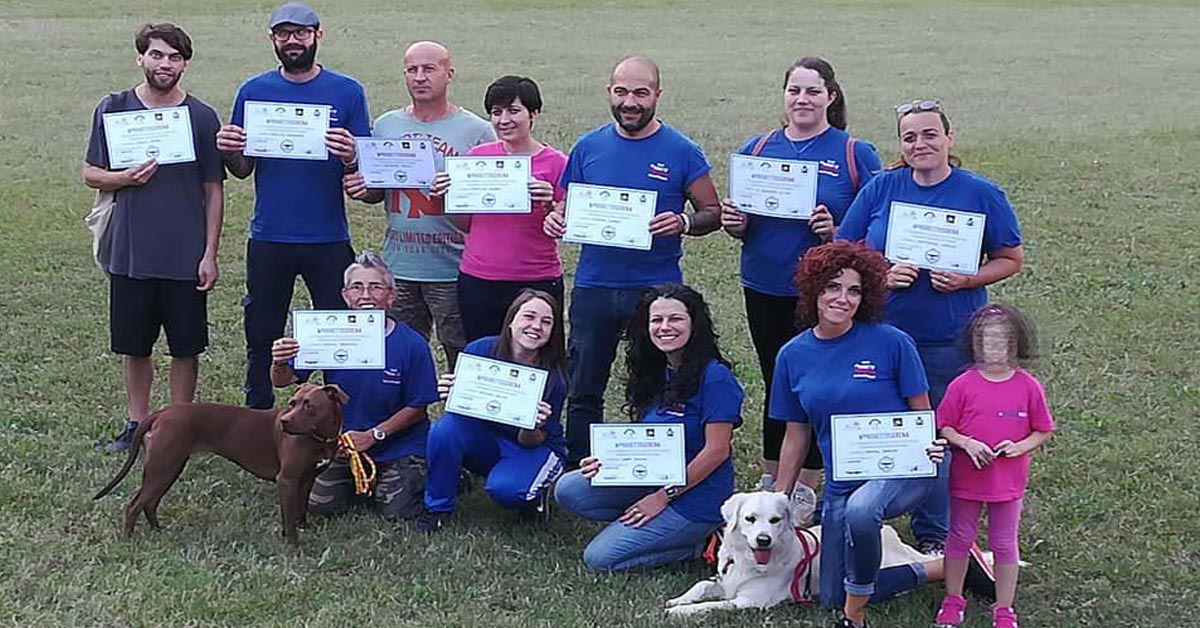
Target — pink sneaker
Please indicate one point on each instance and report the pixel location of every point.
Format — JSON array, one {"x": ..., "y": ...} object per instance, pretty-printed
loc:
[
  {"x": 950, "y": 615},
  {"x": 1004, "y": 617}
]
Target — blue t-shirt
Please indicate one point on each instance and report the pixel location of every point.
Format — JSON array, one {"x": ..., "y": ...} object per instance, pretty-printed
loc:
[
  {"x": 874, "y": 367},
  {"x": 718, "y": 400},
  {"x": 555, "y": 395},
  {"x": 772, "y": 246},
  {"x": 407, "y": 381},
  {"x": 300, "y": 201},
  {"x": 929, "y": 316},
  {"x": 666, "y": 162}
]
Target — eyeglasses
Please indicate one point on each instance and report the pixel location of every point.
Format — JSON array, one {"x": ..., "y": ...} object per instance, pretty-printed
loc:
[
  {"x": 301, "y": 34},
  {"x": 916, "y": 106},
  {"x": 375, "y": 289}
]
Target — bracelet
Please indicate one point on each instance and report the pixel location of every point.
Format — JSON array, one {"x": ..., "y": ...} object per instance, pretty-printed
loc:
[{"x": 687, "y": 222}]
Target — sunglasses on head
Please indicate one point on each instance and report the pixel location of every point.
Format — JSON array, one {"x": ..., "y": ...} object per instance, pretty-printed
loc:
[{"x": 917, "y": 106}]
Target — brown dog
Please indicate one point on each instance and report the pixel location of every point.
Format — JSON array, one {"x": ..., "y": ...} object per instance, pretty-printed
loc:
[{"x": 285, "y": 445}]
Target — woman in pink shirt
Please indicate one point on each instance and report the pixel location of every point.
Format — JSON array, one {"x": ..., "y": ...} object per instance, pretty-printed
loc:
[
  {"x": 506, "y": 253},
  {"x": 995, "y": 414}
]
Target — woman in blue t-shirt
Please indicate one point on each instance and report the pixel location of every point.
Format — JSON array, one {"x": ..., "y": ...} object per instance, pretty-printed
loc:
[
  {"x": 518, "y": 464},
  {"x": 676, "y": 375},
  {"x": 814, "y": 123},
  {"x": 933, "y": 306},
  {"x": 849, "y": 363}
]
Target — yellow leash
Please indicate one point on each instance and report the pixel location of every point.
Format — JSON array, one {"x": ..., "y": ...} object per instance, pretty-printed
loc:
[{"x": 362, "y": 477}]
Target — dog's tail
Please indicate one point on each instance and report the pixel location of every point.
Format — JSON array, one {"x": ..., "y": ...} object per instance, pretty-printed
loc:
[{"x": 134, "y": 448}]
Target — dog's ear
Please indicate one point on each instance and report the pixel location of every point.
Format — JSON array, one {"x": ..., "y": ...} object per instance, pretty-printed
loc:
[
  {"x": 731, "y": 511},
  {"x": 336, "y": 393}
]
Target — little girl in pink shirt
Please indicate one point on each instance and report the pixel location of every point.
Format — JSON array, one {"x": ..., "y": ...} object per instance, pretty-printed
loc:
[{"x": 994, "y": 414}]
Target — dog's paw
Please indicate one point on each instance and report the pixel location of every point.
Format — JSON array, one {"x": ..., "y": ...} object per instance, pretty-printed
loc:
[{"x": 675, "y": 601}]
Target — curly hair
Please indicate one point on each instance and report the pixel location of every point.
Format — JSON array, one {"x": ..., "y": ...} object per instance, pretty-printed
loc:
[
  {"x": 1022, "y": 349},
  {"x": 646, "y": 366},
  {"x": 822, "y": 263}
]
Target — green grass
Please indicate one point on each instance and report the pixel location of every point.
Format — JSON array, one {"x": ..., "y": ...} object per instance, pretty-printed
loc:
[{"x": 1085, "y": 113}]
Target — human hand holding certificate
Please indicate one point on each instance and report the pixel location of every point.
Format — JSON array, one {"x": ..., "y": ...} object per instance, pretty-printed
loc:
[
  {"x": 773, "y": 187},
  {"x": 285, "y": 130},
  {"x": 639, "y": 454},
  {"x": 488, "y": 185},
  {"x": 134, "y": 137},
  {"x": 395, "y": 163},
  {"x": 608, "y": 216},
  {"x": 492, "y": 390},
  {"x": 935, "y": 238},
  {"x": 339, "y": 339},
  {"x": 883, "y": 446}
]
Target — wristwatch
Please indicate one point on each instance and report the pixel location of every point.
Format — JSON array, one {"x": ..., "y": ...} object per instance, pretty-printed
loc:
[
  {"x": 672, "y": 492},
  {"x": 378, "y": 433}
]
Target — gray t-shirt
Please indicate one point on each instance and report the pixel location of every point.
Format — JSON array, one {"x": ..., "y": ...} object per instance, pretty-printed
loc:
[
  {"x": 157, "y": 229},
  {"x": 422, "y": 244}
]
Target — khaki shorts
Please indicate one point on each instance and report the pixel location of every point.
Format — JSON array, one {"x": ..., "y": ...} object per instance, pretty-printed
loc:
[{"x": 425, "y": 306}]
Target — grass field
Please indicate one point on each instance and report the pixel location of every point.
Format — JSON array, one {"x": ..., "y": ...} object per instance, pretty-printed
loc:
[{"x": 1084, "y": 113}]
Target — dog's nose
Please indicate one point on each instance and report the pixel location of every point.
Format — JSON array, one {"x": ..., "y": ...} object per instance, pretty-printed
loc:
[{"x": 762, "y": 540}]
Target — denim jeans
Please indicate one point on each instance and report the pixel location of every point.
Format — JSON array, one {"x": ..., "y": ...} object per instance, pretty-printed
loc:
[
  {"x": 667, "y": 538},
  {"x": 851, "y": 550},
  {"x": 943, "y": 362},
  {"x": 598, "y": 317}
]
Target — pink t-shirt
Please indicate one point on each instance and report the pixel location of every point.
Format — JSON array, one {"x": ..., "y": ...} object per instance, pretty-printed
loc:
[
  {"x": 992, "y": 412},
  {"x": 512, "y": 247}
]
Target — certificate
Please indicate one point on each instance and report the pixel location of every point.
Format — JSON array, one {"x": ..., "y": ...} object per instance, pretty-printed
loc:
[
  {"x": 883, "y": 446},
  {"x": 608, "y": 216},
  {"x": 773, "y": 187},
  {"x": 493, "y": 390},
  {"x": 639, "y": 454},
  {"x": 134, "y": 137},
  {"x": 285, "y": 130},
  {"x": 339, "y": 339},
  {"x": 935, "y": 238},
  {"x": 393, "y": 163},
  {"x": 488, "y": 185}
]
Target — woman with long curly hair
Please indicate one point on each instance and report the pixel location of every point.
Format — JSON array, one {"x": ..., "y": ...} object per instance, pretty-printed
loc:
[
  {"x": 676, "y": 375},
  {"x": 848, "y": 362}
]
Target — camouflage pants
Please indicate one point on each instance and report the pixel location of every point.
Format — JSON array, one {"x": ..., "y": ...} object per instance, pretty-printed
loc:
[{"x": 398, "y": 491}]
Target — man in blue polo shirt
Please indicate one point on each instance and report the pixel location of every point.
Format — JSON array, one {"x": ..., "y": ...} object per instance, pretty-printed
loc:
[
  {"x": 635, "y": 151},
  {"x": 299, "y": 225},
  {"x": 385, "y": 416}
]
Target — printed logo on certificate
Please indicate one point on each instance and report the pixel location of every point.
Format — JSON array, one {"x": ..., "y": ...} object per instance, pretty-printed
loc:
[
  {"x": 609, "y": 216},
  {"x": 395, "y": 163},
  {"x": 639, "y": 454},
  {"x": 283, "y": 130},
  {"x": 488, "y": 185},
  {"x": 135, "y": 137},
  {"x": 779, "y": 188},
  {"x": 339, "y": 339},
  {"x": 935, "y": 238},
  {"x": 497, "y": 391},
  {"x": 882, "y": 446}
]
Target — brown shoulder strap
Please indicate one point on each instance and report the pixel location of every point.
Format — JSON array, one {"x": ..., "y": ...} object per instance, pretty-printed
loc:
[
  {"x": 852, "y": 164},
  {"x": 762, "y": 142}
]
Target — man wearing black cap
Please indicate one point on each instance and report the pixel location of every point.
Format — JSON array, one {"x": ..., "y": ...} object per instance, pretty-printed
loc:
[{"x": 299, "y": 225}]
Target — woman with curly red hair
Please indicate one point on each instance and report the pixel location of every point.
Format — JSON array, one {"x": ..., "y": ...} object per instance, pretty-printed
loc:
[{"x": 848, "y": 362}]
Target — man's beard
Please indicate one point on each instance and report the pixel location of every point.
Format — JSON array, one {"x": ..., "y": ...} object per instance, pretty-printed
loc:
[
  {"x": 646, "y": 117},
  {"x": 156, "y": 83},
  {"x": 302, "y": 63}
]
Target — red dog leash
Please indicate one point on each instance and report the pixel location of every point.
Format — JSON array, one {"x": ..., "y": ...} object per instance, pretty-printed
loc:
[{"x": 812, "y": 548}]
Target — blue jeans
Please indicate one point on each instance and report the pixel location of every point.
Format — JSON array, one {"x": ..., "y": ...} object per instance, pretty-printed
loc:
[
  {"x": 943, "y": 362},
  {"x": 598, "y": 317},
  {"x": 851, "y": 550},
  {"x": 516, "y": 475},
  {"x": 668, "y": 538}
]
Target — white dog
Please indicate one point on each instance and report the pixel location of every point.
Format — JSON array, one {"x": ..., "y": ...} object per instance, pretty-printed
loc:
[{"x": 765, "y": 561}]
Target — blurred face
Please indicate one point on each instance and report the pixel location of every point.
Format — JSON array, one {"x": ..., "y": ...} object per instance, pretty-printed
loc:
[
  {"x": 805, "y": 99},
  {"x": 633, "y": 96},
  {"x": 994, "y": 345},
  {"x": 162, "y": 65},
  {"x": 670, "y": 325},
  {"x": 427, "y": 72},
  {"x": 839, "y": 299},
  {"x": 924, "y": 141},
  {"x": 532, "y": 325},
  {"x": 368, "y": 289},
  {"x": 296, "y": 46},
  {"x": 512, "y": 123}
]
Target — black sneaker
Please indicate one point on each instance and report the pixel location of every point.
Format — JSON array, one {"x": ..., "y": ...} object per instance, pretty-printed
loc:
[
  {"x": 980, "y": 580},
  {"x": 539, "y": 510},
  {"x": 120, "y": 442},
  {"x": 430, "y": 522},
  {"x": 844, "y": 622},
  {"x": 932, "y": 547}
]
